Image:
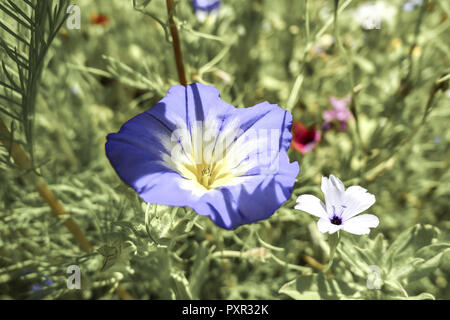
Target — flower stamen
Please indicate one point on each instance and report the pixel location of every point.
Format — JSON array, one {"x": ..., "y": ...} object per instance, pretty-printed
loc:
[{"x": 336, "y": 220}]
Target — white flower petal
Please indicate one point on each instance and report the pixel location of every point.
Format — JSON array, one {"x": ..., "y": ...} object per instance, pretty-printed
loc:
[
  {"x": 333, "y": 190},
  {"x": 361, "y": 224},
  {"x": 356, "y": 200},
  {"x": 312, "y": 205},
  {"x": 337, "y": 183},
  {"x": 324, "y": 226}
]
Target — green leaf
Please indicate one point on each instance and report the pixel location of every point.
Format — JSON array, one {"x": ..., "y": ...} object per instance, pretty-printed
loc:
[
  {"x": 366, "y": 65},
  {"x": 42, "y": 28},
  {"x": 317, "y": 286},
  {"x": 393, "y": 290},
  {"x": 358, "y": 260},
  {"x": 199, "y": 269},
  {"x": 110, "y": 255},
  {"x": 141, "y": 3},
  {"x": 430, "y": 251},
  {"x": 414, "y": 254},
  {"x": 422, "y": 296},
  {"x": 378, "y": 247},
  {"x": 181, "y": 288},
  {"x": 422, "y": 268},
  {"x": 408, "y": 243}
]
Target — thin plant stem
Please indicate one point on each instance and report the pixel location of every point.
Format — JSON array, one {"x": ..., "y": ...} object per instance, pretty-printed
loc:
[
  {"x": 176, "y": 43},
  {"x": 406, "y": 85},
  {"x": 333, "y": 240},
  {"x": 349, "y": 60},
  {"x": 307, "y": 21},
  {"x": 316, "y": 265},
  {"x": 293, "y": 96}
]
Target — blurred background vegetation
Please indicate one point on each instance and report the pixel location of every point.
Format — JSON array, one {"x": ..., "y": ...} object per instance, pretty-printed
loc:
[{"x": 62, "y": 90}]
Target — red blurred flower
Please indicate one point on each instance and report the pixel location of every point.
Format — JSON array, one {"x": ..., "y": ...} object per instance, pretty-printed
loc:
[
  {"x": 99, "y": 19},
  {"x": 304, "y": 139}
]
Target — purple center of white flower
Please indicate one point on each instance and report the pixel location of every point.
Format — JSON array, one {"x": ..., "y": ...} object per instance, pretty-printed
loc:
[
  {"x": 337, "y": 217},
  {"x": 336, "y": 220}
]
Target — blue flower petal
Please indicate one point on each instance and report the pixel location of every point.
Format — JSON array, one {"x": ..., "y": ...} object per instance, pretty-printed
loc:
[
  {"x": 190, "y": 104},
  {"x": 268, "y": 116},
  {"x": 151, "y": 179},
  {"x": 206, "y": 5}
]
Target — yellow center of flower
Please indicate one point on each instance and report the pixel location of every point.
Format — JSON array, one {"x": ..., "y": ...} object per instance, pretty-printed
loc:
[{"x": 208, "y": 176}]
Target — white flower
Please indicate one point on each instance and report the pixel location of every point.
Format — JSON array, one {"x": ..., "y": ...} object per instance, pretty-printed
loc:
[
  {"x": 341, "y": 209},
  {"x": 370, "y": 14}
]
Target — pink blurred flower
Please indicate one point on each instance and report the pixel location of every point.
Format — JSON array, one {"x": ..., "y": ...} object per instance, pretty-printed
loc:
[
  {"x": 340, "y": 112},
  {"x": 304, "y": 139}
]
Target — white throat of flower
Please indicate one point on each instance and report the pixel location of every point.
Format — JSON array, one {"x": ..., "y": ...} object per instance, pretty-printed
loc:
[{"x": 210, "y": 154}]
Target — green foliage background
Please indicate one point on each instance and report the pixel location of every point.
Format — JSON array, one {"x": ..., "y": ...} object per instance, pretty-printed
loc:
[{"x": 286, "y": 52}]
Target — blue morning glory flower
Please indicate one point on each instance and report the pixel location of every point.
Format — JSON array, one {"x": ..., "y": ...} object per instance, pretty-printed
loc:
[
  {"x": 193, "y": 149},
  {"x": 206, "y": 5},
  {"x": 205, "y": 8}
]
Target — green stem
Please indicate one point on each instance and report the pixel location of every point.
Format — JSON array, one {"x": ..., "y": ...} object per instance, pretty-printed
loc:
[
  {"x": 333, "y": 242},
  {"x": 147, "y": 223},
  {"x": 349, "y": 60}
]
